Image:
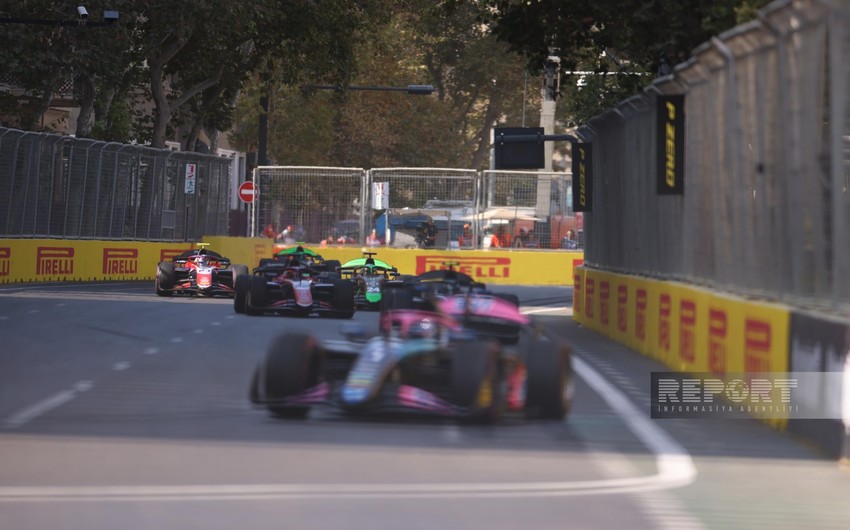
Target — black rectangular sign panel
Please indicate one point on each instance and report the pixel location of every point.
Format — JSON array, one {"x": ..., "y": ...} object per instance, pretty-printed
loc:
[{"x": 670, "y": 138}]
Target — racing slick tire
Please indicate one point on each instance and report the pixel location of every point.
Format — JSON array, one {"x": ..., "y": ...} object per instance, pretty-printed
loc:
[
  {"x": 332, "y": 265},
  {"x": 343, "y": 299},
  {"x": 396, "y": 298},
  {"x": 509, "y": 297},
  {"x": 165, "y": 278},
  {"x": 257, "y": 297},
  {"x": 238, "y": 270},
  {"x": 477, "y": 381},
  {"x": 240, "y": 292},
  {"x": 549, "y": 384},
  {"x": 291, "y": 366}
]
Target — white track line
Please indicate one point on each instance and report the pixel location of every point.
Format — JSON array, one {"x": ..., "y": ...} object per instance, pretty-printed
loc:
[
  {"x": 46, "y": 405},
  {"x": 675, "y": 469},
  {"x": 675, "y": 466}
]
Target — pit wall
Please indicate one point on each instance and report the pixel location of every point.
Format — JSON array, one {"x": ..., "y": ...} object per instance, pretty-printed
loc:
[
  {"x": 36, "y": 260},
  {"x": 691, "y": 329}
]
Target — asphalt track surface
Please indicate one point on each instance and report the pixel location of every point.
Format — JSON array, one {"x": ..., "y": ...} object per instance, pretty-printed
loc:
[{"x": 120, "y": 409}]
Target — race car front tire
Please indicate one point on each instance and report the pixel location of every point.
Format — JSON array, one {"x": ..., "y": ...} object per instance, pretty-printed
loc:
[
  {"x": 292, "y": 365},
  {"x": 257, "y": 297},
  {"x": 165, "y": 278},
  {"x": 477, "y": 381},
  {"x": 549, "y": 384},
  {"x": 240, "y": 292},
  {"x": 343, "y": 299}
]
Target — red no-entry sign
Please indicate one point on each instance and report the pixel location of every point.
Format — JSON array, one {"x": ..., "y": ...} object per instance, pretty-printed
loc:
[{"x": 247, "y": 192}]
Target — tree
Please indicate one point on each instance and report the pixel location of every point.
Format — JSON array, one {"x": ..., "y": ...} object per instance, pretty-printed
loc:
[{"x": 627, "y": 36}]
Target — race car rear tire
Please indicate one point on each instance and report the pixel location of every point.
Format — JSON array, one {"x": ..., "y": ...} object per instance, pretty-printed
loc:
[
  {"x": 549, "y": 384},
  {"x": 396, "y": 298},
  {"x": 509, "y": 297},
  {"x": 343, "y": 299},
  {"x": 257, "y": 297},
  {"x": 240, "y": 292},
  {"x": 332, "y": 265},
  {"x": 291, "y": 366},
  {"x": 477, "y": 381},
  {"x": 165, "y": 278},
  {"x": 236, "y": 271}
]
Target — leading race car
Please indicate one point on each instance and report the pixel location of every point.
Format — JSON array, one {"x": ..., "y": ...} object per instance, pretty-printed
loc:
[
  {"x": 369, "y": 276},
  {"x": 198, "y": 272},
  {"x": 292, "y": 288},
  {"x": 490, "y": 313},
  {"x": 300, "y": 255},
  {"x": 422, "y": 361}
]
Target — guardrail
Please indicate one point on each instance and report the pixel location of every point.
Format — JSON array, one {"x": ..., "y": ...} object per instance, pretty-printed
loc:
[{"x": 44, "y": 260}]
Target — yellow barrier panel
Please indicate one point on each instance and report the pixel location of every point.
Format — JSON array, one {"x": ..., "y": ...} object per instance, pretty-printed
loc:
[
  {"x": 24, "y": 260},
  {"x": 687, "y": 328},
  {"x": 47, "y": 260},
  {"x": 507, "y": 267}
]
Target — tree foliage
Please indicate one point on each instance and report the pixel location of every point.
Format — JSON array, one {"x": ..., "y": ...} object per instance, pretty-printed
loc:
[{"x": 640, "y": 38}]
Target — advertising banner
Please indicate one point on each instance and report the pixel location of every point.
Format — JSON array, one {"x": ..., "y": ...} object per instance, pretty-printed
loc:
[
  {"x": 582, "y": 177},
  {"x": 670, "y": 138}
]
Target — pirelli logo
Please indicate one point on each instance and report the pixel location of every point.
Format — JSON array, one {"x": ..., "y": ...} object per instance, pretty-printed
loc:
[
  {"x": 5, "y": 261},
  {"x": 718, "y": 331},
  {"x": 478, "y": 268},
  {"x": 665, "y": 310},
  {"x": 604, "y": 301},
  {"x": 120, "y": 261},
  {"x": 259, "y": 252},
  {"x": 756, "y": 345},
  {"x": 168, "y": 254},
  {"x": 52, "y": 261},
  {"x": 641, "y": 303},
  {"x": 622, "y": 308},
  {"x": 687, "y": 330},
  {"x": 671, "y": 144}
]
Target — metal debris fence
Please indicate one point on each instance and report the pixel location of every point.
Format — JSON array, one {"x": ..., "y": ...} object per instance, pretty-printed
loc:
[
  {"x": 54, "y": 186},
  {"x": 766, "y": 197},
  {"x": 461, "y": 208}
]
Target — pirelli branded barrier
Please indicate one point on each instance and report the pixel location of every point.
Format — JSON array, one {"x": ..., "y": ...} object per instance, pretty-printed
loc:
[
  {"x": 24, "y": 260},
  {"x": 693, "y": 330}
]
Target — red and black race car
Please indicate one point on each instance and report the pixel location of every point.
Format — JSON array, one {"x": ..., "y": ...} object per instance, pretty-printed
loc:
[
  {"x": 198, "y": 272},
  {"x": 294, "y": 286}
]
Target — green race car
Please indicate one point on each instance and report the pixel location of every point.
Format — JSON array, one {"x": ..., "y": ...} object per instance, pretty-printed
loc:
[{"x": 369, "y": 275}]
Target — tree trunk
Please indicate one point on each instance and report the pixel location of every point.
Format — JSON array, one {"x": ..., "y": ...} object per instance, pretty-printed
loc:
[
  {"x": 32, "y": 122},
  {"x": 84, "y": 120}
]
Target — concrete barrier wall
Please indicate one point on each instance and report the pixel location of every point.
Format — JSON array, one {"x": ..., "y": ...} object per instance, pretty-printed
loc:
[
  {"x": 24, "y": 260},
  {"x": 690, "y": 329}
]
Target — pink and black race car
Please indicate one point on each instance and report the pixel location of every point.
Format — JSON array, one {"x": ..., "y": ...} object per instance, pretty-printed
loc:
[{"x": 198, "y": 272}]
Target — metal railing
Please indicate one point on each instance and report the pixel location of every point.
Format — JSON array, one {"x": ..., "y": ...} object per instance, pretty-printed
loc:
[
  {"x": 767, "y": 164},
  {"x": 56, "y": 186},
  {"x": 413, "y": 207}
]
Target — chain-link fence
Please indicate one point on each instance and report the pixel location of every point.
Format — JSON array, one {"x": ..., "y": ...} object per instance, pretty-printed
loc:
[
  {"x": 309, "y": 204},
  {"x": 767, "y": 150},
  {"x": 413, "y": 207},
  {"x": 63, "y": 187}
]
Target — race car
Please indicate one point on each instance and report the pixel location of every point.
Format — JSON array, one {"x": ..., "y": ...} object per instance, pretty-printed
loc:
[
  {"x": 491, "y": 313},
  {"x": 369, "y": 276},
  {"x": 198, "y": 272},
  {"x": 303, "y": 256},
  {"x": 292, "y": 288},
  {"x": 421, "y": 361}
]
